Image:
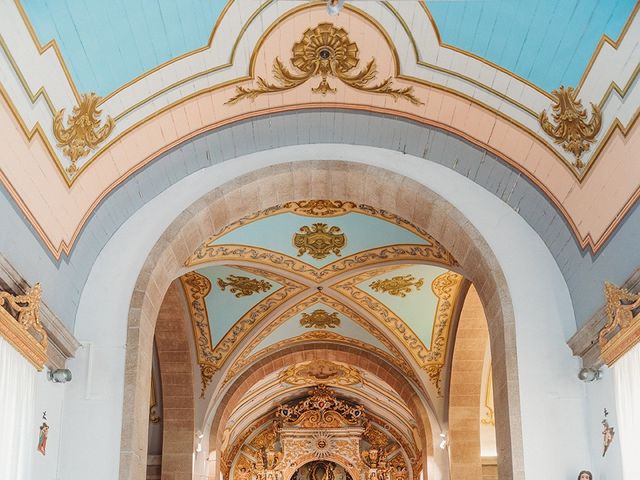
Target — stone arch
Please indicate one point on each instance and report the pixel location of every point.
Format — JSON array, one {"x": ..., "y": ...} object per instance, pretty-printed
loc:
[
  {"x": 314, "y": 351},
  {"x": 283, "y": 182},
  {"x": 174, "y": 356},
  {"x": 471, "y": 341}
]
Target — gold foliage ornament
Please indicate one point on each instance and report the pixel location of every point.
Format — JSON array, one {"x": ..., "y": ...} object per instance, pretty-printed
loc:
[
  {"x": 243, "y": 286},
  {"x": 319, "y": 240},
  {"x": 398, "y": 286},
  {"x": 83, "y": 132},
  {"x": 572, "y": 130},
  {"x": 319, "y": 372},
  {"x": 320, "y": 319},
  {"x": 324, "y": 51}
]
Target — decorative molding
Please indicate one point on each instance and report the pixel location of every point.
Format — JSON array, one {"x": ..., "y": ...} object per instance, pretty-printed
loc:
[
  {"x": 196, "y": 287},
  {"x": 246, "y": 358},
  {"x": 585, "y": 343},
  {"x": 61, "y": 345},
  {"x": 319, "y": 372},
  {"x": 431, "y": 359},
  {"x": 20, "y": 325},
  {"x": 622, "y": 331},
  {"x": 325, "y": 51},
  {"x": 243, "y": 286},
  {"x": 324, "y": 208},
  {"x": 83, "y": 132},
  {"x": 572, "y": 131},
  {"x": 398, "y": 286},
  {"x": 319, "y": 240},
  {"x": 320, "y": 318}
]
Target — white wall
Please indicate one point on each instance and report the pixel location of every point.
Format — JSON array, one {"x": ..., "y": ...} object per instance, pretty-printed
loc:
[
  {"x": 50, "y": 398},
  {"x": 552, "y": 403}
]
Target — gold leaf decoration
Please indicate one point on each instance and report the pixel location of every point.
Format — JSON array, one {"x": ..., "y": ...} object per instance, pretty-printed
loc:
[
  {"x": 398, "y": 286},
  {"x": 324, "y": 51},
  {"x": 243, "y": 286},
  {"x": 319, "y": 240},
  {"x": 321, "y": 372},
  {"x": 571, "y": 129},
  {"x": 83, "y": 132},
  {"x": 320, "y": 319},
  {"x": 622, "y": 331}
]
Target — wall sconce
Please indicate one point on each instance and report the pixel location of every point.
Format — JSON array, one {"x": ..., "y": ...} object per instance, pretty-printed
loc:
[
  {"x": 61, "y": 375},
  {"x": 588, "y": 375}
]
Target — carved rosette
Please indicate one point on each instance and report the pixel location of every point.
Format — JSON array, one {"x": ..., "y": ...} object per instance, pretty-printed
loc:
[
  {"x": 572, "y": 130},
  {"x": 326, "y": 52},
  {"x": 84, "y": 130},
  {"x": 20, "y": 325}
]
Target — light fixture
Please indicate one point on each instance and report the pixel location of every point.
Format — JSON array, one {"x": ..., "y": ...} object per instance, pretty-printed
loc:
[
  {"x": 334, "y": 6},
  {"x": 589, "y": 374},
  {"x": 61, "y": 375},
  {"x": 199, "y": 436}
]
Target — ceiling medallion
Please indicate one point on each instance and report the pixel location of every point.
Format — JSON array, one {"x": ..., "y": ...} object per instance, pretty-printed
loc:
[
  {"x": 572, "y": 130},
  {"x": 320, "y": 319},
  {"x": 320, "y": 372},
  {"x": 398, "y": 286},
  {"x": 324, "y": 51},
  {"x": 319, "y": 242},
  {"x": 83, "y": 132},
  {"x": 243, "y": 286}
]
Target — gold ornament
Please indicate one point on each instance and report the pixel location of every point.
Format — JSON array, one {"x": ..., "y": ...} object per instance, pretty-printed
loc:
[
  {"x": 243, "y": 286},
  {"x": 622, "y": 331},
  {"x": 83, "y": 132},
  {"x": 320, "y": 319},
  {"x": 20, "y": 325},
  {"x": 324, "y": 51},
  {"x": 572, "y": 130},
  {"x": 397, "y": 286},
  {"x": 321, "y": 372},
  {"x": 319, "y": 242}
]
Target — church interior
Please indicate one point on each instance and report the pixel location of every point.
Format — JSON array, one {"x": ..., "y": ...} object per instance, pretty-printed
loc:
[{"x": 319, "y": 240}]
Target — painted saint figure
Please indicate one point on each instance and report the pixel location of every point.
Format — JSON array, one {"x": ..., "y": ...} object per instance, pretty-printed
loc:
[{"x": 42, "y": 438}]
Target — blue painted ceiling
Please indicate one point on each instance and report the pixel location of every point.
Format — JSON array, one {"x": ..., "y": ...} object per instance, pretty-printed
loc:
[{"x": 107, "y": 44}]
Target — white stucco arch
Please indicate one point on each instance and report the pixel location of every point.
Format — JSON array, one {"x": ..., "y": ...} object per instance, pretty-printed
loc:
[{"x": 550, "y": 395}]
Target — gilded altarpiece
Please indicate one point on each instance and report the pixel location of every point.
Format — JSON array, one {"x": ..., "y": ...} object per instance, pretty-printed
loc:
[{"x": 320, "y": 428}]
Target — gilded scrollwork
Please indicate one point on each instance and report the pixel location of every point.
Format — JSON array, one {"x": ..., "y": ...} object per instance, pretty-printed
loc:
[
  {"x": 243, "y": 286},
  {"x": 431, "y": 358},
  {"x": 210, "y": 359},
  {"x": 319, "y": 240},
  {"x": 247, "y": 356},
  {"x": 398, "y": 286},
  {"x": 572, "y": 130},
  {"x": 321, "y": 372},
  {"x": 20, "y": 324},
  {"x": 622, "y": 329},
  {"x": 324, "y": 51},
  {"x": 83, "y": 132},
  {"x": 320, "y": 318}
]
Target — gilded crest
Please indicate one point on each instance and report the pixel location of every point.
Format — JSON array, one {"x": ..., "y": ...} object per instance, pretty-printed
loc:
[
  {"x": 319, "y": 240},
  {"x": 398, "y": 286},
  {"x": 243, "y": 286},
  {"x": 320, "y": 319},
  {"x": 325, "y": 51},
  {"x": 83, "y": 132},
  {"x": 321, "y": 372},
  {"x": 571, "y": 129}
]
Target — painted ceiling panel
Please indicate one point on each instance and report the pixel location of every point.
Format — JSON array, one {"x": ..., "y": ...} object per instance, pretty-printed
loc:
[
  {"x": 219, "y": 301},
  {"x": 107, "y": 44},
  {"x": 417, "y": 308},
  {"x": 548, "y": 42},
  {"x": 292, "y": 328},
  {"x": 362, "y": 232}
]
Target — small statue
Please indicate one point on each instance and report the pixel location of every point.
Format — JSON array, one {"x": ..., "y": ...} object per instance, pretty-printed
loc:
[
  {"x": 607, "y": 433},
  {"x": 585, "y": 475}
]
